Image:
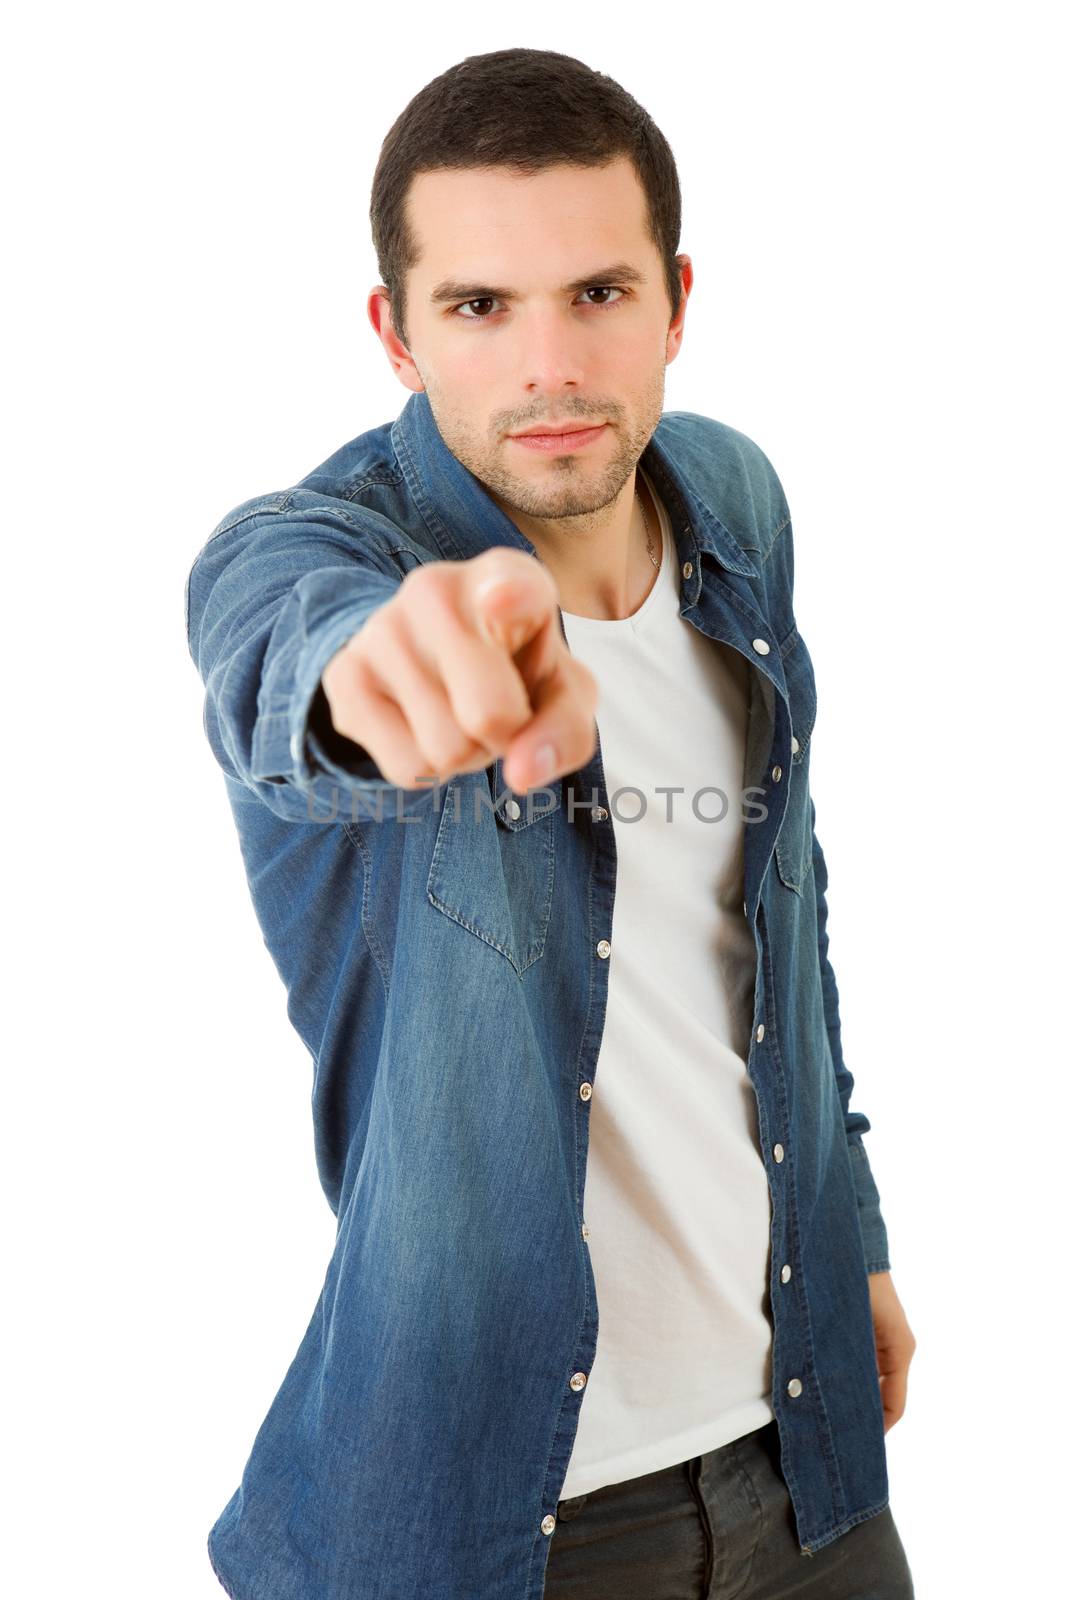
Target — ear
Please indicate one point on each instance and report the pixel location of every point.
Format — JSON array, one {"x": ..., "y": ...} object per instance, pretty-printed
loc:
[{"x": 379, "y": 310}]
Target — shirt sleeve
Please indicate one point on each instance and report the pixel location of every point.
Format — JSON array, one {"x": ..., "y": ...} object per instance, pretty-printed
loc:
[
  {"x": 268, "y": 601},
  {"x": 872, "y": 1225}
]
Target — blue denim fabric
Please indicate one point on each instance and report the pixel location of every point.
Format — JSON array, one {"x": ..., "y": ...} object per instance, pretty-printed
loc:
[{"x": 440, "y": 959}]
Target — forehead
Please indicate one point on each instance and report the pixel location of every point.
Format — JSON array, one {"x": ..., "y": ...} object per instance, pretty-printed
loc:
[{"x": 456, "y": 212}]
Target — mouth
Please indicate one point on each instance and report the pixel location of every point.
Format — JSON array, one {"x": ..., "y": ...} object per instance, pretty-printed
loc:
[{"x": 559, "y": 443}]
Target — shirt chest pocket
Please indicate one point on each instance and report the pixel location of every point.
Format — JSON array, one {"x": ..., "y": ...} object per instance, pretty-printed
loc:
[
  {"x": 493, "y": 862},
  {"x": 793, "y": 847}
]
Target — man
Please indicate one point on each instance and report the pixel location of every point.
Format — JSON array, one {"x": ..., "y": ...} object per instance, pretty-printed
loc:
[{"x": 516, "y": 730}]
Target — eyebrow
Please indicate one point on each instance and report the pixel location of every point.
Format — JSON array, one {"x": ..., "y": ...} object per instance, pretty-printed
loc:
[{"x": 456, "y": 289}]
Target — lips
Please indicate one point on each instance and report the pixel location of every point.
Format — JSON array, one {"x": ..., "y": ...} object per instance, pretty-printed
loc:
[
  {"x": 559, "y": 443},
  {"x": 547, "y": 433}
]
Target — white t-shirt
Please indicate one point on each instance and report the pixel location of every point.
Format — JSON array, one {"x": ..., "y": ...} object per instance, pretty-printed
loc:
[{"x": 676, "y": 1199}]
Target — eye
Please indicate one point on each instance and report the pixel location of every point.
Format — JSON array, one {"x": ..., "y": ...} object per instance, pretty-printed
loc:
[
  {"x": 598, "y": 288},
  {"x": 487, "y": 300}
]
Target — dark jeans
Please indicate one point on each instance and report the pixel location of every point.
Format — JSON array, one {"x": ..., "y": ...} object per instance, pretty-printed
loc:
[{"x": 717, "y": 1527}]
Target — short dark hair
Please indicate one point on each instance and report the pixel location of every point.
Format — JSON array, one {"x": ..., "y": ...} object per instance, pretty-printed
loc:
[{"x": 526, "y": 110}]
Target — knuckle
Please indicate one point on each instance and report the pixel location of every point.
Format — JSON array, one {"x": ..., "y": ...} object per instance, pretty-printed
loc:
[
  {"x": 414, "y": 774},
  {"x": 355, "y": 666},
  {"x": 417, "y": 577},
  {"x": 381, "y": 632},
  {"x": 377, "y": 623},
  {"x": 432, "y": 578},
  {"x": 347, "y": 698},
  {"x": 444, "y": 751},
  {"x": 485, "y": 724},
  {"x": 339, "y": 668},
  {"x": 345, "y": 726},
  {"x": 390, "y": 617}
]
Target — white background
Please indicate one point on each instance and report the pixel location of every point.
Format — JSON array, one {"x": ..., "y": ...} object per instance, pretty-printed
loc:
[{"x": 872, "y": 197}]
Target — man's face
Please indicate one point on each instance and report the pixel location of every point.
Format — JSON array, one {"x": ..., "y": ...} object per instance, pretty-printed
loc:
[{"x": 569, "y": 342}]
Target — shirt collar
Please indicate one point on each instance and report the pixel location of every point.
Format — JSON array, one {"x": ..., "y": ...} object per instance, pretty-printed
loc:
[{"x": 465, "y": 520}]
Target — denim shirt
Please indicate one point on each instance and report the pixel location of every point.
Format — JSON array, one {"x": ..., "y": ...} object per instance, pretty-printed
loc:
[{"x": 445, "y": 953}]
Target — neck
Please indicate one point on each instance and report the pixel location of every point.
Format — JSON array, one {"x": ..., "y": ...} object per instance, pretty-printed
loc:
[{"x": 589, "y": 583}]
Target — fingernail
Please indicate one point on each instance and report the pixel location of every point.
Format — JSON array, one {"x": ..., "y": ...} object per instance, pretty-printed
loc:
[{"x": 545, "y": 760}]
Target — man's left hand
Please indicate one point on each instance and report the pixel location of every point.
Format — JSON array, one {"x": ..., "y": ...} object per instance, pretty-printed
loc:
[{"x": 895, "y": 1345}]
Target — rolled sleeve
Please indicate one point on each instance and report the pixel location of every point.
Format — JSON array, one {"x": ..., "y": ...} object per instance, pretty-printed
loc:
[{"x": 269, "y": 600}]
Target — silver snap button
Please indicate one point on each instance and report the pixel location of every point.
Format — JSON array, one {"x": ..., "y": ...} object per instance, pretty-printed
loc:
[
  {"x": 795, "y": 1387},
  {"x": 548, "y": 1523},
  {"x": 603, "y": 949},
  {"x": 759, "y": 1033},
  {"x": 786, "y": 1273},
  {"x": 778, "y": 1152},
  {"x": 585, "y": 1091},
  {"x": 513, "y": 809},
  {"x": 761, "y": 647},
  {"x": 687, "y": 570},
  {"x": 578, "y": 1381}
]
